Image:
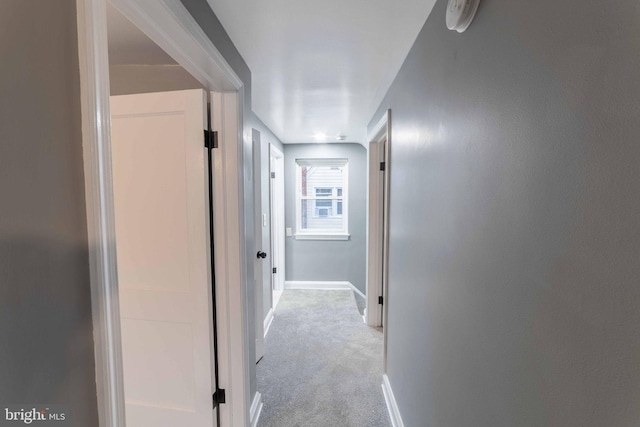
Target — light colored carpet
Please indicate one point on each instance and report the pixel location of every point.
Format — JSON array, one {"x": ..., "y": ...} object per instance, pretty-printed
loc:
[
  {"x": 322, "y": 365},
  {"x": 361, "y": 303}
]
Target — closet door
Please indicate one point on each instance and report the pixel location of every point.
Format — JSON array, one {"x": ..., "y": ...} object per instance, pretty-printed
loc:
[{"x": 161, "y": 193}]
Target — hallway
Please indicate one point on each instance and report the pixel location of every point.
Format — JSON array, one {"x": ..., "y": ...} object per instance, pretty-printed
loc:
[{"x": 322, "y": 364}]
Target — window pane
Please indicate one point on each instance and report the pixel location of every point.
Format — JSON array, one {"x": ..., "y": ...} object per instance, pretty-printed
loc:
[
  {"x": 321, "y": 188},
  {"x": 320, "y": 215},
  {"x": 324, "y": 208},
  {"x": 324, "y": 192},
  {"x": 320, "y": 180}
]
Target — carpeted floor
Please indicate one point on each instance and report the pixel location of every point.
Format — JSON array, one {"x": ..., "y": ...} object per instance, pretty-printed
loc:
[
  {"x": 361, "y": 303},
  {"x": 322, "y": 365}
]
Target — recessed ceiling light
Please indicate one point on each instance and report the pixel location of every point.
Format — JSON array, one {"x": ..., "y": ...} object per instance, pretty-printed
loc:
[{"x": 320, "y": 136}]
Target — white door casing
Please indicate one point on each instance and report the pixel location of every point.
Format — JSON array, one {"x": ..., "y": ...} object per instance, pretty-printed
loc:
[
  {"x": 169, "y": 24},
  {"x": 276, "y": 162},
  {"x": 161, "y": 210},
  {"x": 233, "y": 342}
]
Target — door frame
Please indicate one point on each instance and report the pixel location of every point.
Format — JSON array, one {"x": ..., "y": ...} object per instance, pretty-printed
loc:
[
  {"x": 276, "y": 195},
  {"x": 172, "y": 27},
  {"x": 259, "y": 264},
  {"x": 378, "y": 226}
]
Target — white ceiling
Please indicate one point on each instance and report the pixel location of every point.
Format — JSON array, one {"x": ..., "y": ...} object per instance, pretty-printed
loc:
[{"x": 321, "y": 66}]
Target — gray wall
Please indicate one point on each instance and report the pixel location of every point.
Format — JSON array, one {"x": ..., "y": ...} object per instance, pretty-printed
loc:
[
  {"x": 514, "y": 295},
  {"x": 266, "y": 134},
  {"x": 328, "y": 260},
  {"x": 46, "y": 353}
]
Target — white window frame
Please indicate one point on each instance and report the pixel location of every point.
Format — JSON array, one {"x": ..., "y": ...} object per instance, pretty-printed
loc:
[
  {"x": 332, "y": 197},
  {"x": 335, "y": 234}
]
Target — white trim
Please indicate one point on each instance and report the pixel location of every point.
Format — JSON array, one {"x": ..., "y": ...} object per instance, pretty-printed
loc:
[
  {"x": 322, "y": 285},
  {"x": 392, "y": 406},
  {"x": 328, "y": 286},
  {"x": 233, "y": 335},
  {"x": 256, "y": 409},
  {"x": 96, "y": 137},
  {"x": 356, "y": 290},
  {"x": 277, "y": 294},
  {"x": 322, "y": 236},
  {"x": 268, "y": 320},
  {"x": 276, "y": 151},
  {"x": 379, "y": 129},
  {"x": 335, "y": 234},
  {"x": 170, "y": 25},
  {"x": 276, "y": 215}
]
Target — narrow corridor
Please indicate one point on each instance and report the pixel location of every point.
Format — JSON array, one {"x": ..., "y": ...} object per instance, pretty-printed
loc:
[{"x": 322, "y": 365}]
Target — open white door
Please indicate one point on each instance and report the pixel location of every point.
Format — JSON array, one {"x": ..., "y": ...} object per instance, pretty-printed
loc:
[
  {"x": 276, "y": 165},
  {"x": 263, "y": 239},
  {"x": 376, "y": 231},
  {"x": 160, "y": 177}
]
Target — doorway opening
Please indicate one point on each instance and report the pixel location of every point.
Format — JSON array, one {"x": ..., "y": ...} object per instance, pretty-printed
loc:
[
  {"x": 187, "y": 337},
  {"x": 378, "y": 222},
  {"x": 162, "y": 192},
  {"x": 269, "y": 214}
]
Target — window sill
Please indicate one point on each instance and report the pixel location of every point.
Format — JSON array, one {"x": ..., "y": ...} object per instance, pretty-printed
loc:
[{"x": 322, "y": 236}]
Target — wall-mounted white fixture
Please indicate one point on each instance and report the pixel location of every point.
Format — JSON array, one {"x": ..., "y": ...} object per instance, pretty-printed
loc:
[{"x": 460, "y": 13}]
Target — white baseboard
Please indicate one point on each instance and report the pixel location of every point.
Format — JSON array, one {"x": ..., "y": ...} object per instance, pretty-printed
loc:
[
  {"x": 256, "y": 409},
  {"x": 358, "y": 291},
  {"x": 267, "y": 321},
  {"x": 392, "y": 406},
  {"x": 317, "y": 285},
  {"x": 323, "y": 286},
  {"x": 276, "y": 298}
]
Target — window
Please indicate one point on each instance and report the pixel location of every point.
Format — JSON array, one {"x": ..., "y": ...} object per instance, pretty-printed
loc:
[{"x": 321, "y": 202}]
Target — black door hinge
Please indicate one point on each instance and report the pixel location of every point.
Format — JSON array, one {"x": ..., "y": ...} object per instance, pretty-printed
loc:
[
  {"x": 383, "y": 166},
  {"x": 274, "y": 270},
  {"x": 380, "y": 300},
  {"x": 210, "y": 138},
  {"x": 219, "y": 397}
]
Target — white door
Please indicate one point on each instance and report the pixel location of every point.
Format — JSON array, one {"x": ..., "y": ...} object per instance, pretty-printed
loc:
[
  {"x": 160, "y": 179},
  {"x": 377, "y": 238},
  {"x": 276, "y": 161},
  {"x": 263, "y": 249}
]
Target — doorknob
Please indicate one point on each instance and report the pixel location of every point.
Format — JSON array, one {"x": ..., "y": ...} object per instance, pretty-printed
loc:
[{"x": 262, "y": 255}]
